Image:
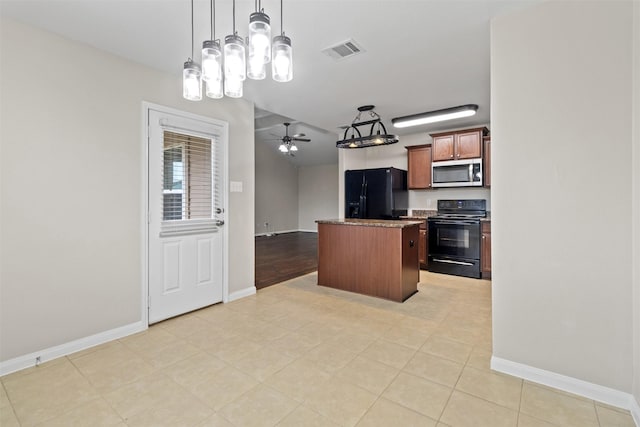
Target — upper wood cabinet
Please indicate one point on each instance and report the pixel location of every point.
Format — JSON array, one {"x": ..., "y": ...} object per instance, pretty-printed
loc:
[
  {"x": 458, "y": 145},
  {"x": 487, "y": 161},
  {"x": 419, "y": 165}
]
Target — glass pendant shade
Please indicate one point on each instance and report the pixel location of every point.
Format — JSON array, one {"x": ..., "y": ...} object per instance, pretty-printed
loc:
[
  {"x": 293, "y": 147},
  {"x": 233, "y": 88},
  {"x": 282, "y": 61},
  {"x": 260, "y": 36},
  {"x": 256, "y": 68},
  {"x": 191, "y": 81},
  {"x": 214, "y": 89},
  {"x": 283, "y": 148},
  {"x": 211, "y": 60},
  {"x": 234, "y": 58}
]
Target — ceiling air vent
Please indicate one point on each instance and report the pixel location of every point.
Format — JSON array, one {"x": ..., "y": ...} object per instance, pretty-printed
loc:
[{"x": 343, "y": 49}]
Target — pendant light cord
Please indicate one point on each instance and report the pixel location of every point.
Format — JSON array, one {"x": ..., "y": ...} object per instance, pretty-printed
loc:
[
  {"x": 234, "y": 17},
  {"x": 192, "y": 55}
]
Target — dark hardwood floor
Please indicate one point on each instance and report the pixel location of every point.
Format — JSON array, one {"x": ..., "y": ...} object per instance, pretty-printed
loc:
[{"x": 285, "y": 256}]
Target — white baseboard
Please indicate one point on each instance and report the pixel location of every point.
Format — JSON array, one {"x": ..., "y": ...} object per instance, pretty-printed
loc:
[
  {"x": 283, "y": 232},
  {"x": 29, "y": 360},
  {"x": 589, "y": 390},
  {"x": 635, "y": 411},
  {"x": 251, "y": 290}
]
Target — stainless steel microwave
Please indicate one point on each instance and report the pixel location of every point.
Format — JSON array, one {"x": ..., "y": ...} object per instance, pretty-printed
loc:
[{"x": 457, "y": 173}]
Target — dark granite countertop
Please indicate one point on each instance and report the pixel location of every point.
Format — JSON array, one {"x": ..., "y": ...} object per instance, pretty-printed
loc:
[{"x": 370, "y": 222}]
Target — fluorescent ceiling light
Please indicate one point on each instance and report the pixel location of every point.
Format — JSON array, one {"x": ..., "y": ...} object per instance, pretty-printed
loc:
[{"x": 435, "y": 116}]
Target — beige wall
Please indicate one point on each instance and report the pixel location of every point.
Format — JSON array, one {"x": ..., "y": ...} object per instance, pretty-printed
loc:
[
  {"x": 71, "y": 214},
  {"x": 395, "y": 155},
  {"x": 276, "y": 191},
  {"x": 561, "y": 173},
  {"x": 317, "y": 195},
  {"x": 636, "y": 202}
]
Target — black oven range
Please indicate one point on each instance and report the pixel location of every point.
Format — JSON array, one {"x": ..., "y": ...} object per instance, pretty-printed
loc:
[{"x": 454, "y": 237}]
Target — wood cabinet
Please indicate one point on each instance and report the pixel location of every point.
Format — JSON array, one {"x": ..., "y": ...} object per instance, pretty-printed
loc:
[
  {"x": 458, "y": 145},
  {"x": 487, "y": 161},
  {"x": 371, "y": 257},
  {"x": 419, "y": 165},
  {"x": 485, "y": 255},
  {"x": 423, "y": 245}
]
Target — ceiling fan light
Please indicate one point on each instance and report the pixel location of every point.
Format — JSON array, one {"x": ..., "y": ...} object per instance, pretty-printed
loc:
[
  {"x": 435, "y": 116},
  {"x": 283, "y": 148},
  {"x": 293, "y": 147},
  {"x": 282, "y": 61},
  {"x": 211, "y": 60},
  {"x": 233, "y": 88},
  {"x": 234, "y": 58},
  {"x": 260, "y": 36},
  {"x": 191, "y": 81}
]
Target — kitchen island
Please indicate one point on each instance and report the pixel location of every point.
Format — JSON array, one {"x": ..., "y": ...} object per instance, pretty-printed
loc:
[{"x": 369, "y": 256}]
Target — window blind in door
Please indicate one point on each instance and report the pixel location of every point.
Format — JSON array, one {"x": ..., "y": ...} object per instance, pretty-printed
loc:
[{"x": 189, "y": 190}]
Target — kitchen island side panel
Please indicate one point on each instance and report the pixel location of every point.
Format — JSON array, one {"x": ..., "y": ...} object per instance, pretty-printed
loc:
[
  {"x": 368, "y": 260},
  {"x": 410, "y": 261}
]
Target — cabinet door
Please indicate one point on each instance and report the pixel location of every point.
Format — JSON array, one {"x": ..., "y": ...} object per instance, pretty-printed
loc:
[
  {"x": 468, "y": 145},
  {"x": 443, "y": 147},
  {"x": 419, "y": 161},
  {"x": 487, "y": 162},
  {"x": 422, "y": 247},
  {"x": 485, "y": 261}
]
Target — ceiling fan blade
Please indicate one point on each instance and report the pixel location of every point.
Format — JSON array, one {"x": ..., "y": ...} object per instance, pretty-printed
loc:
[
  {"x": 301, "y": 139},
  {"x": 298, "y": 135}
]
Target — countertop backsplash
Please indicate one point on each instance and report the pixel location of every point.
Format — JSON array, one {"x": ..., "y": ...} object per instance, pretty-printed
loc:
[{"x": 421, "y": 213}]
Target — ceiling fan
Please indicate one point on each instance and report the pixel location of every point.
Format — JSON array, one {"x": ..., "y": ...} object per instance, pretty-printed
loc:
[{"x": 288, "y": 143}]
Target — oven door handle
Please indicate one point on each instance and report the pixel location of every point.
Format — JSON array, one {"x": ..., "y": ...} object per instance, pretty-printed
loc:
[
  {"x": 457, "y": 222},
  {"x": 448, "y": 261}
]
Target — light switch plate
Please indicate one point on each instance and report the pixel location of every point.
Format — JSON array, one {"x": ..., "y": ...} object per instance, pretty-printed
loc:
[{"x": 235, "y": 186}]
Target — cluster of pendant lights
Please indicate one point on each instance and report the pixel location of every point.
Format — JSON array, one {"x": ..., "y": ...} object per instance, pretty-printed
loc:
[{"x": 224, "y": 70}]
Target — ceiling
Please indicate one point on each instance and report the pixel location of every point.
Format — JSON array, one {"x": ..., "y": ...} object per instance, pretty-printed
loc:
[{"x": 419, "y": 55}]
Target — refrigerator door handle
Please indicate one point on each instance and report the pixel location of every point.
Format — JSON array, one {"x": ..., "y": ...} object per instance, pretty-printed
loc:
[{"x": 363, "y": 200}]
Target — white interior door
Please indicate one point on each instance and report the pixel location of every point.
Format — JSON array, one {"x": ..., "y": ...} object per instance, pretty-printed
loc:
[{"x": 186, "y": 213}]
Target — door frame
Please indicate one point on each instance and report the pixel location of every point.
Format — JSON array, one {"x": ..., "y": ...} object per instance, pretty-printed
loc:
[{"x": 144, "y": 202}]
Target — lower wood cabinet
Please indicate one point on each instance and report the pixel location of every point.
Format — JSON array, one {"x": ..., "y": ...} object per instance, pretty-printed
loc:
[
  {"x": 485, "y": 250},
  {"x": 370, "y": 257},
  {"x": 487, "y": 161},
  {"x": 423, "y": 251}
]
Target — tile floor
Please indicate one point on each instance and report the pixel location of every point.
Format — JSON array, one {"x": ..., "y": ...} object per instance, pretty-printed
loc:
[{"x": 297, "y": 354}]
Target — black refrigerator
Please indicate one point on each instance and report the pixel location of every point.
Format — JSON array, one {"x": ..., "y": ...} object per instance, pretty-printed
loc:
[{"x": 376, "y": 193}]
